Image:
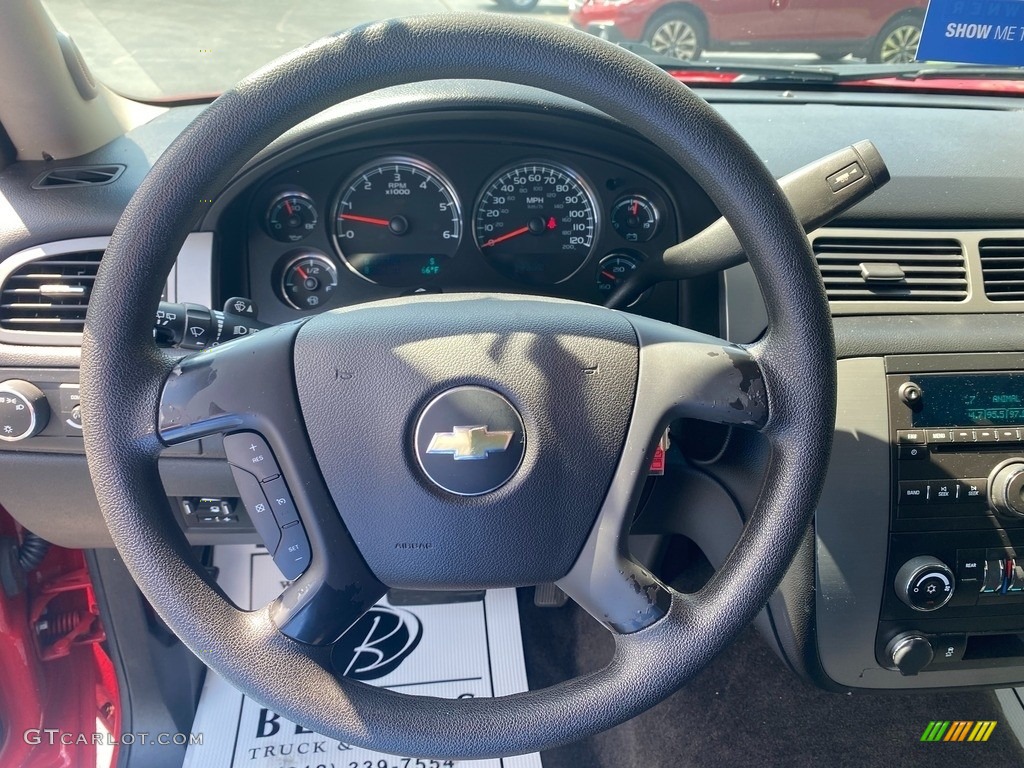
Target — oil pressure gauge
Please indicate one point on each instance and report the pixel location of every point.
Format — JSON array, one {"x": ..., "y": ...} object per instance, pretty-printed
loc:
[{"x": 291, "y": 217}]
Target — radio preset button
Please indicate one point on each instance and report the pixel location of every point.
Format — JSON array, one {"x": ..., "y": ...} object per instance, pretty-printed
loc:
[
  {"x": 1008, "y": 435},
  {"x": 985, "y": 436},
  {"x": 963, "y": 435}
]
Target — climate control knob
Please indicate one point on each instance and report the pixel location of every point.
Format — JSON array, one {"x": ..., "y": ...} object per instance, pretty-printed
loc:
[
  {"x": 925, "y": 583},
  {"x": 1006, "y": 488}
]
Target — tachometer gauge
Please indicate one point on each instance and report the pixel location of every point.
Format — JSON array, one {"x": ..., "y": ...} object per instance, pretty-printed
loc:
[
  {"x": 536, "y": 222},
  {"x": 397, "y": 222}
]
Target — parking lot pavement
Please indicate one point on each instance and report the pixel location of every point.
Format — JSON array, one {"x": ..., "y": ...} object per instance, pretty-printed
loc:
[{"x": 155, "y": 48}]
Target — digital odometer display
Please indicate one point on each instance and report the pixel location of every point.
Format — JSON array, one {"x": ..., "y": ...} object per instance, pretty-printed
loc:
[
  {"x": 968, "y": 400},
  {"x": 536, "y": 222}
]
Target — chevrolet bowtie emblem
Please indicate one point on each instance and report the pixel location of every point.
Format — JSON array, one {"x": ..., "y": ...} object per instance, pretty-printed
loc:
[{"x": 469, "y": 443}]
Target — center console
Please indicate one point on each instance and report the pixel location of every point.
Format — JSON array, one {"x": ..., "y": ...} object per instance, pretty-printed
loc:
[
  {"x": 957, "y": 522},
  {"x": 920, "y": 529}
]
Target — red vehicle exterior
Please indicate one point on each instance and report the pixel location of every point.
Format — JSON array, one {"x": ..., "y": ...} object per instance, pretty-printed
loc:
[{"x": 814, "y": 26}]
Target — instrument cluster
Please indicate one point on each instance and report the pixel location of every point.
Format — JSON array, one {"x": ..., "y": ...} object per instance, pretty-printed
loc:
[{"x": 452, "y": 216}]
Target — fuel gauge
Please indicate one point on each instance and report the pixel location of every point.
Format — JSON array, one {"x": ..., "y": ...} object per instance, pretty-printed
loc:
[
  {"x": 635, "y": 218},
  {"x": 308, "y": 279}
]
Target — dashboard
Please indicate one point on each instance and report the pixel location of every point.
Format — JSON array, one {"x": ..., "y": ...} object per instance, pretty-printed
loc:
[
  {"x": 456, "y": 186},
  {"x": 460, "y": 203}
]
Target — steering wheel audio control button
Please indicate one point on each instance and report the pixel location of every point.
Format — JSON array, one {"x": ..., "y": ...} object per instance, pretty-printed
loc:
[
  {"x": 292, "y": 556},
  {"x": 256, "y": 504},
  {"x": 249, "y": 451}
]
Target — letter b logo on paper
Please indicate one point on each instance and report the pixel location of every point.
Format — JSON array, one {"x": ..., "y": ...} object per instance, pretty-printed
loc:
[{"x": 377, "y": 643}]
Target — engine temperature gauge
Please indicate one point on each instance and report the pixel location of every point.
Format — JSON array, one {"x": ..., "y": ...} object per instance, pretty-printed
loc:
[
  {"x": 614, "y": 269},
  {"x": 635, "y": 218},
  {"x": 308, "y": 280}
]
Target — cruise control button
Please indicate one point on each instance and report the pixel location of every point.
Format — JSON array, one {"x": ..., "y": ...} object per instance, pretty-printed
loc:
[
  {"x": 292, "y": 556},
  {"x": 280, "y": 501},
  {"x": 256, "y": 503},
  {"x": 913, "y": 492},
  {"x": 250, "y": 452}
]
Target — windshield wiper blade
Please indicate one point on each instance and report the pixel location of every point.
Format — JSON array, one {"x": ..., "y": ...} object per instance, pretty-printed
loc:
[{"x": 757, "y": 73}]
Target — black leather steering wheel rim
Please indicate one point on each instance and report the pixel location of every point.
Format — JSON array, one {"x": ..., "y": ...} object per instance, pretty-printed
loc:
[{"x": 123, "y": 374}]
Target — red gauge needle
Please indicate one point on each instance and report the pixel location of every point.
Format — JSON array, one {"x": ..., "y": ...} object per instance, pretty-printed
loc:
[
  {"x": 508, "y": 236},
  {"x": 364, "y": 219},
  {"x": 288, "y": 208},
  {"x": 608, "y": 274},
  {"x": 636, "y": 206},
  {"x": 302, "y": 273}
]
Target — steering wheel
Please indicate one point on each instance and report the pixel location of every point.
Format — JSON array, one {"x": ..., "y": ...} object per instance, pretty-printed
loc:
[{"x": 350, "y": 402}]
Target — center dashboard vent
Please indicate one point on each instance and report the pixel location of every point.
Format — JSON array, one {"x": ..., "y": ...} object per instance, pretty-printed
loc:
[
  {"x": 50, "y": 294},
  {"x": 1002, "y": 266},
  {"x": 892, "y": 269},
  {"x": 79, "y": 176}
]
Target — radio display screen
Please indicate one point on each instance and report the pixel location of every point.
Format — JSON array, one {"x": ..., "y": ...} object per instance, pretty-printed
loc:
[{"x": 970, "y": 400}]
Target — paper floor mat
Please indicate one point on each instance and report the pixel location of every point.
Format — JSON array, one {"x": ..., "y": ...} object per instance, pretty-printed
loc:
[{"x": 457, "y": 650}]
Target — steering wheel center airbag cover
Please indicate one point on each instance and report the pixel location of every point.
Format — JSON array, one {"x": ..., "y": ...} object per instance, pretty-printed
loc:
[{"x": 367, "y": 375}]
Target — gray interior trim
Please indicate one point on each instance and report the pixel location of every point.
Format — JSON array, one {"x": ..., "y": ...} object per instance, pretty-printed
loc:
[
  {"x": 41, "y": 106},
  {"x": 744, "y": 317},
  {"x": 190, "y": 280},
  {"x": 852, "y": 526}
]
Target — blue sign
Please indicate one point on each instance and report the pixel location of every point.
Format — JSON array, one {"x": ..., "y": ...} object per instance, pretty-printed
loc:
[{"x": 973, "y": 32}]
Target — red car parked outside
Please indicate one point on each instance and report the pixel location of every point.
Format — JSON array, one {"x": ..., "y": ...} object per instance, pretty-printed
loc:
[{"x": 884, "y": 31}]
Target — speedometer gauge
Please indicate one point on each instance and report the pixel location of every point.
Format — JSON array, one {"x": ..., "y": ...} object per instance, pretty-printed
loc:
[
  {"x": 397, "y": 222},
  {"x": 536, "y": 222}
]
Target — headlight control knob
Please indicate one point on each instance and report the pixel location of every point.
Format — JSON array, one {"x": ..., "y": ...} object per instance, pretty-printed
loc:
[
  {"x": 1006, "y": 488},
  {"x": 925, "y": 583},
  {"x": 24, "y": 410}
]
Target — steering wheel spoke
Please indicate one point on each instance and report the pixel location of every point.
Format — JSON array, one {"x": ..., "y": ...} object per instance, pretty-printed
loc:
[{"x": 245, "y": 390}]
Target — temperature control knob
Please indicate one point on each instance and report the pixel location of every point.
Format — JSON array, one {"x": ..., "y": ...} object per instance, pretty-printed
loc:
[
  {"x": 1006, "y": 488},
  {"x": 925, "y": 583},
  {"x": 23, "y": 410}
]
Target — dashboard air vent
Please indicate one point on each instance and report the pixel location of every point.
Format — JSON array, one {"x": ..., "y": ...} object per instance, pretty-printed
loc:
[
  {"x": 1002, "y": 265},
  {"x": 894, "y": 269},
  {"x": 81, "y": 176},
  {"x": 50, "y": 294}
]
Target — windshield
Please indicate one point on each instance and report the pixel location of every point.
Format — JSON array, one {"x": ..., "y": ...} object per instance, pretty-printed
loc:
[{"x": 197, "y": 48}]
